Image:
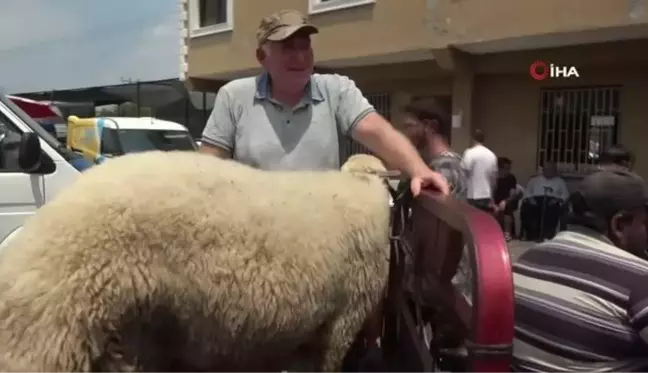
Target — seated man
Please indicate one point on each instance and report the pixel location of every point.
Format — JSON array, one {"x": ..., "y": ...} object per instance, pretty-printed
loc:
[
  {"x": 542, "y": 204},
  {"x": 506, "y": 196},
  {"x": 582, "y": 297}
]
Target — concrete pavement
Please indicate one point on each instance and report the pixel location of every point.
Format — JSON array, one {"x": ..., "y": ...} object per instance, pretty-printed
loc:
[{"x": 517, "y": 248}]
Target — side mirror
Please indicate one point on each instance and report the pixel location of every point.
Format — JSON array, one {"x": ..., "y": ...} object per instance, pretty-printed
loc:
[{"x": 29, "y": 154}]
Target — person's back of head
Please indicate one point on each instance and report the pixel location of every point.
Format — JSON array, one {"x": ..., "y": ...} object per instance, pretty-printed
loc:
[
  {"x": 613, "y": 203},
  {"x": 478, "y": 136},
  {"x": 616, "y": 155},
  {"x": 504, "y": 165}
]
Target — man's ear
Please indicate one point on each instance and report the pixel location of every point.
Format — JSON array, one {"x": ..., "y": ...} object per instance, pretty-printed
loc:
[
  {"x": 260, "y": 55},
  {"x": 616, "y": 228}
]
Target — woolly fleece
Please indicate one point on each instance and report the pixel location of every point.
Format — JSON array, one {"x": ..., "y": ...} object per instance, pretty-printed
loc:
[{"x": 181, "y": 261}]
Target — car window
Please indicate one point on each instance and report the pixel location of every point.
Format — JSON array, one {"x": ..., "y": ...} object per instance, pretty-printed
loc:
[
  {"x": 10, "y": 137},
  {"x": 110, "y": 142},
  {"x": 133, "y": 141}
]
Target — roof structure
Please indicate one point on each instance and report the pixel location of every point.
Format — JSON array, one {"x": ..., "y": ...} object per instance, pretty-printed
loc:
[{"x": 153, "y": 93}]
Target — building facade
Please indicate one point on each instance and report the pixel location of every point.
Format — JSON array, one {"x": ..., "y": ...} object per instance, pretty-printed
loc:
[{"x": 589, "y": 58}]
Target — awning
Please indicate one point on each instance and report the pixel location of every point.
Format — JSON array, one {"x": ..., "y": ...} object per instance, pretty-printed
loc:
[{"x": 35, "y": 109}]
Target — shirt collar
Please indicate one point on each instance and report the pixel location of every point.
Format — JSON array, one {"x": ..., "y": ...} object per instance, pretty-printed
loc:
[
  {"x": 589, "y": 232},
  {"x": 312, "y": 91}
]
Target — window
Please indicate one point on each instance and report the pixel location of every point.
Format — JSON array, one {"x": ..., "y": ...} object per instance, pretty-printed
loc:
[
  {"x": 208, "y": 17},
  {"x": 122, "y": 141},
  {"x": 109, "y": 142},
  {"x": 577, "y": 125},
  {"x": 10, "y": 138},
  {"x": 321, "y": 6},
  {"x": 382, "y": 103}
]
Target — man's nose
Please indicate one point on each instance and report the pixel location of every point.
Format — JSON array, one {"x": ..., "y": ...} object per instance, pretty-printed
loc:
[{"x": 300, "y": 56}]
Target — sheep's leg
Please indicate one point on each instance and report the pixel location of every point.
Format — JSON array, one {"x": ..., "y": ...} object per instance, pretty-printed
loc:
[{"x": 342, "y": 334}]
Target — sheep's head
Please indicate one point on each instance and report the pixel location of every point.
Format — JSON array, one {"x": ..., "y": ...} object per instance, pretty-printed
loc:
[{"x": 367, "y": 164}]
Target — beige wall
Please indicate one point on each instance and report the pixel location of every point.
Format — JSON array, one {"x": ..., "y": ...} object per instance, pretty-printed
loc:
[
  {"x": 388, "y": 26},
  {"x": 470, "y": 21},
  {"x": 506, "y": 108}
]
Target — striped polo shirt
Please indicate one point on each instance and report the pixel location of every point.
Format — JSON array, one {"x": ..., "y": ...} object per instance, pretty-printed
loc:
[{"x": 581, "y": 305}]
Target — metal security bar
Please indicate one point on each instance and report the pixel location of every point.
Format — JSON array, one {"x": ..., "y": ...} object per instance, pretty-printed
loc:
[
  {"x": 576, "y": 125},
  {"x": 382, "y": 103}
]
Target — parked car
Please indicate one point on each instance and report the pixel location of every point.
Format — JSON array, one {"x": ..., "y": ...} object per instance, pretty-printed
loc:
[
  {"x": 35, "y": 167},
  {"x": 104, "y": 137}
]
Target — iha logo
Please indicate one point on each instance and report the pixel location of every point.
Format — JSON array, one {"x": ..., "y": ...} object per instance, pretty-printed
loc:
[{"x": 541, "y": 70}]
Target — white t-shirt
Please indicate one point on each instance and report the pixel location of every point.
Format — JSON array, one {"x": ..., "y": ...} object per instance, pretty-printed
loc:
[
  {"x": 555, "y": 187},
  {"x": 480, "y": 164}
]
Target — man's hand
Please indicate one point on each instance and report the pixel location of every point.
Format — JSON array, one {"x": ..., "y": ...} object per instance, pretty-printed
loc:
[
  {"x": 429, "y": 179},
  {"x": 374, "y": 132},
  {"x": 501, "y": 206}
]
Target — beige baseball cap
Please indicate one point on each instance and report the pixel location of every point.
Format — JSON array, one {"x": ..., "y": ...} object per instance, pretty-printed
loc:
[{"x": 283, "y": 24}]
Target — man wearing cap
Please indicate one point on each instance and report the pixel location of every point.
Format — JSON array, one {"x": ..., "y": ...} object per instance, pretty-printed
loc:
[
  {"x": 582, "y": 297},
  {"x": 616, "y": 157},
  {"x": 291, "y": 119}
]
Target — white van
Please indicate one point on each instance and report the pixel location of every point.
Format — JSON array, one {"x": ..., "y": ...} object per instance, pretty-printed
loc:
[
  {"x": 34, "y": 167},
  {"x": 106, "y": 137}
]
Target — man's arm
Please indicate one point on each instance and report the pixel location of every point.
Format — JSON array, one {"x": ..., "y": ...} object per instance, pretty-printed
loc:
[
  {"x": 218, "y": 135},
  {"x": 356, "y": 117},
  {"x": 217, "y": 151},
  {"x": 563, "y": 190},
  {"x": 528, "y": 192},
  {"x": 492, "y": 175},
  {"x": 638, "y": 309},
  {"x": 466, "y": 162},
  {"x": 374, "y": 132}
]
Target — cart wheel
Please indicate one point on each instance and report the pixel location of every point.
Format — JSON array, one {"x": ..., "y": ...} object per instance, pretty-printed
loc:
[{"x": 450, "y": 297}]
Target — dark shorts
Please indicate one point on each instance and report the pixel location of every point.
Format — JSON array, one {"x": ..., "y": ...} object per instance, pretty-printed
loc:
[
  {"x": 510, "y": 208},
  {"x": 483, "y": 204}
]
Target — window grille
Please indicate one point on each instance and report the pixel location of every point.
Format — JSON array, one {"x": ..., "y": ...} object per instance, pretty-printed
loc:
[
  {"x": 576, "y": 126},
  {"x": 382, "y": 103}
]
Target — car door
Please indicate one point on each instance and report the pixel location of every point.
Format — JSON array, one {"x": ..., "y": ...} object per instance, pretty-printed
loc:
[{"x": 21, "y": 194}]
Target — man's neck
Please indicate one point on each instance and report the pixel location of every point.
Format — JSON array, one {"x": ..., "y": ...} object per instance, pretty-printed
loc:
[{"x": 288, "y": 98}]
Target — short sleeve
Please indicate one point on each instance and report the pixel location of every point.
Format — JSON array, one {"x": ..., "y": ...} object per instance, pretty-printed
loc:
[
  {"x": 638, "y": 309},
  {"x": 352, "y": 107},
  {"x": 221, "y": 127}
]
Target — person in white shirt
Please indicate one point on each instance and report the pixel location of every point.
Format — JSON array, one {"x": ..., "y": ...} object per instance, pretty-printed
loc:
[
  {"x": 480, "y": 164},
  {"x": 544, "y": 198}
]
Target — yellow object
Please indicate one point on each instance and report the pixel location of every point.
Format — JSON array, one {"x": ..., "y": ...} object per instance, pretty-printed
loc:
[{"x": 84, "y": 137}]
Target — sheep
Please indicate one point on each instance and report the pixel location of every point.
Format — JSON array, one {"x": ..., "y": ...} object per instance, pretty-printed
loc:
[{"x": 177, "y": 261}]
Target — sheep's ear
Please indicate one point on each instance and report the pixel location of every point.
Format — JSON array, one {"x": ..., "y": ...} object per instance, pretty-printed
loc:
[{"x": 388, "y": 174}]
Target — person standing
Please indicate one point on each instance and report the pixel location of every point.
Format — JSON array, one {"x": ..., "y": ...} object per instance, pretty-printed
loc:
[
  {"x": 480, "y": 164},
  {"x": 427, "y": 126},
  {"x": 289, "y": 118},
  {"x": 506, "y": 196}
]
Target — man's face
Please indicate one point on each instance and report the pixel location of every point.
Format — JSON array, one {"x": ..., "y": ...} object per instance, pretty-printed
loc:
[
  {"x": 505, "y": 169},
  {"x": 414, "y": 130},
  {"x": 290, "y": 62},
  {"x": 632, "y": 235},
  {"x": 550, "y": 170}
]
